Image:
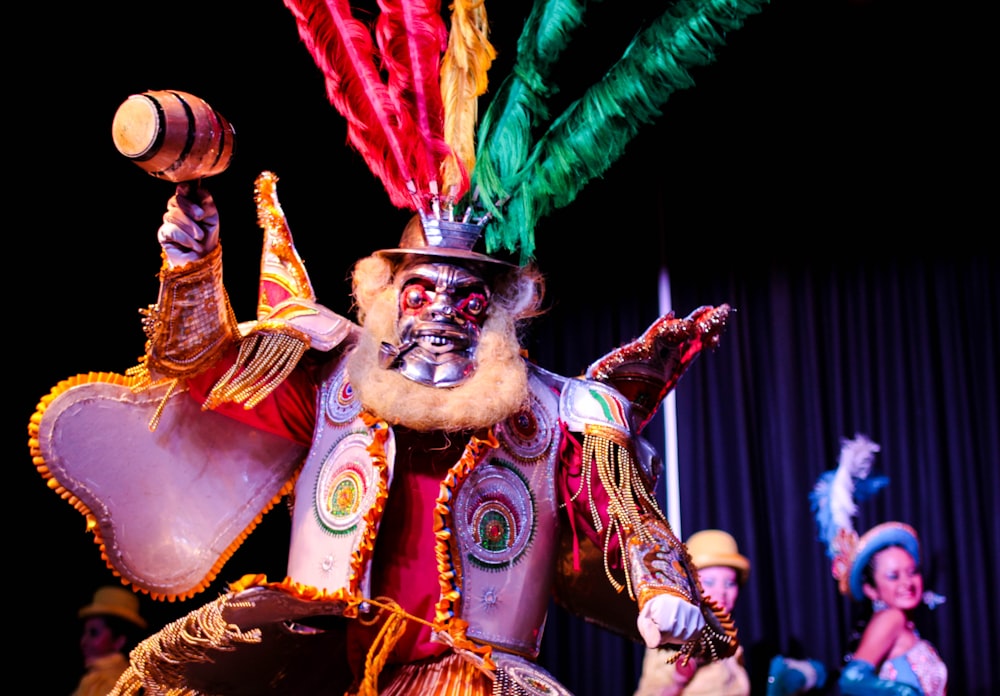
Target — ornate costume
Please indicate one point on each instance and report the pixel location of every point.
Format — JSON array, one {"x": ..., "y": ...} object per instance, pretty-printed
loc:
[
  {"x": 443, "y": 487},
  {"x": 430, "y": 535}
]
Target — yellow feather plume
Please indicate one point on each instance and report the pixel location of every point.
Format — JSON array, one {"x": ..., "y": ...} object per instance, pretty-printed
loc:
[{"x": 463, "y": 80}]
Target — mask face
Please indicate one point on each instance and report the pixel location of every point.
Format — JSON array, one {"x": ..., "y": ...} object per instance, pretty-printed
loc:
[{"x": 442, "y": 308}]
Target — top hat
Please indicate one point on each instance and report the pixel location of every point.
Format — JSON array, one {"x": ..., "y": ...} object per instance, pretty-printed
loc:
[
  {"x": 714, "y": 547},
  {"x": 114, "y": 601}
]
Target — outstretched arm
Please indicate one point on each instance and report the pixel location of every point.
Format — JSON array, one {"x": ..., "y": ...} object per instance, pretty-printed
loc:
[{"x": 608, "y": 491}]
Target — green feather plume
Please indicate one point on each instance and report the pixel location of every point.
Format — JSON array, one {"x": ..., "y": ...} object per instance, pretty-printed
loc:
[
  {"x": 519, "y": 104},
  {"x": 531, "y": 179}
]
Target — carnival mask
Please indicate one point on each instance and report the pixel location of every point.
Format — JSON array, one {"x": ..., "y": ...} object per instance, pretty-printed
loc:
[{"x": 442, "y": 308}]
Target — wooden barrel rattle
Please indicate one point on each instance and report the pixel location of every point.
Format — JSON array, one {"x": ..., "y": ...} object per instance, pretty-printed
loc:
[{"x": 173, "y": 135}]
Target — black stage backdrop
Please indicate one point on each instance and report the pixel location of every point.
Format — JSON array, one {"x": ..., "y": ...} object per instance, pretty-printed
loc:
[{"x": 827, "y": 178}]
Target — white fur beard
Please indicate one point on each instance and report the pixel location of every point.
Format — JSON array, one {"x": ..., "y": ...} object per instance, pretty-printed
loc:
[{"x": 497, "y": 389}]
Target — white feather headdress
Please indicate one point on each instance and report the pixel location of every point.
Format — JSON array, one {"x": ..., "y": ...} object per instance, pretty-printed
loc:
[{"x": 835, "y": 496}]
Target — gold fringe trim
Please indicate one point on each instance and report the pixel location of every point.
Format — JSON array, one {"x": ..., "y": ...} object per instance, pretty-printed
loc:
[
  {"x": 160, "y": 659},
  {"x": 265, "y": 360},
  {"x": 143, "y": 381},
  {"x": 715, "y": 641},
  {"x": 129, "y": 684},
  {"x": 627, "y": 496},
  {"x": 448, "y": 569}
]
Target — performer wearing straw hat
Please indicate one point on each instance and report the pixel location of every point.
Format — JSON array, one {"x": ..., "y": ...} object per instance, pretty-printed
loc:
[
  {"x": 722, "y": 571},
  {"x": 111, "y": 626}
]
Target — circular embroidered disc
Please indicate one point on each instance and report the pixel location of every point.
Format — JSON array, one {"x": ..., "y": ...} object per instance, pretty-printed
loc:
[
  {"x": 495, "y": 509},
  {"x": 346, "y": 485}
]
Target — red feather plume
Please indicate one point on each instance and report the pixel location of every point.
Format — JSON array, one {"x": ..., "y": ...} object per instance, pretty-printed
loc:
[
  {"x": 412, "y": 37},
  {"x": 397, "y": 124},
  {"x": 342, "y": 48}
]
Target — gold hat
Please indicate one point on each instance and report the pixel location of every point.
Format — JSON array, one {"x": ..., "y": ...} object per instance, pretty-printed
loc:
[
  {"x": 714, "y": 547},
  {"x": 114, "y": 601}
]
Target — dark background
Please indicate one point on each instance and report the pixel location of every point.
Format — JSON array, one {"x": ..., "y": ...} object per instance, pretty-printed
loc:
[{"x": 830, "y": 135}]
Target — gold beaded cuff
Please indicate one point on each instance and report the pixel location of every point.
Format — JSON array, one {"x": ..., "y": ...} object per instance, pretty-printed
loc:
[
  {"x": 192, "y": 323},
  {"x": 659, "y": 563},
  {"x": 663, "y": 566}
]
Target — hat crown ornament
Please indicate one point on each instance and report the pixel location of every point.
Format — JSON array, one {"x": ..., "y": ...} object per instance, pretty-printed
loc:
[
  {"x": 445, "y": 233},
  {"x": 436, "y": 234}
]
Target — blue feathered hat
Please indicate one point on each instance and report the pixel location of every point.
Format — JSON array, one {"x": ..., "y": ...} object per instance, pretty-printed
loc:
[
  {"x": 834, "y": 504},
  {"x": 874, "y": 540}
]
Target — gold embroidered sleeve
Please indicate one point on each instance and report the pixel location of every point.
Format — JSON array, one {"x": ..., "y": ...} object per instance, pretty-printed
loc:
[
  {"x": 192, "y": 323},
  {"x": 660, "y": 564}
]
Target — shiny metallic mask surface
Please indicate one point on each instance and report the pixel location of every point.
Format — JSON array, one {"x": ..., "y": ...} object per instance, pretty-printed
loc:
[{"x": 442, "y": 308}]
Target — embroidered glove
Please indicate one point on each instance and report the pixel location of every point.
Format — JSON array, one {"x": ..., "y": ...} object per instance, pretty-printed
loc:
[
  {"x": 667, "y": 618},
  {"x": 190, "y": 228},
  {"x": 858, "y": 679}
]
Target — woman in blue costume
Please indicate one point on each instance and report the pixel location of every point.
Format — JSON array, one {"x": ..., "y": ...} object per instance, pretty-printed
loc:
[
  {"x": 882, "y": 566},
  {"x": 891, "y": 657}
]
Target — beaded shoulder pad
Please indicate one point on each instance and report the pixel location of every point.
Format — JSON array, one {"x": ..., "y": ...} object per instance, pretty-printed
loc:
[{"x": 585, "y": 404}]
